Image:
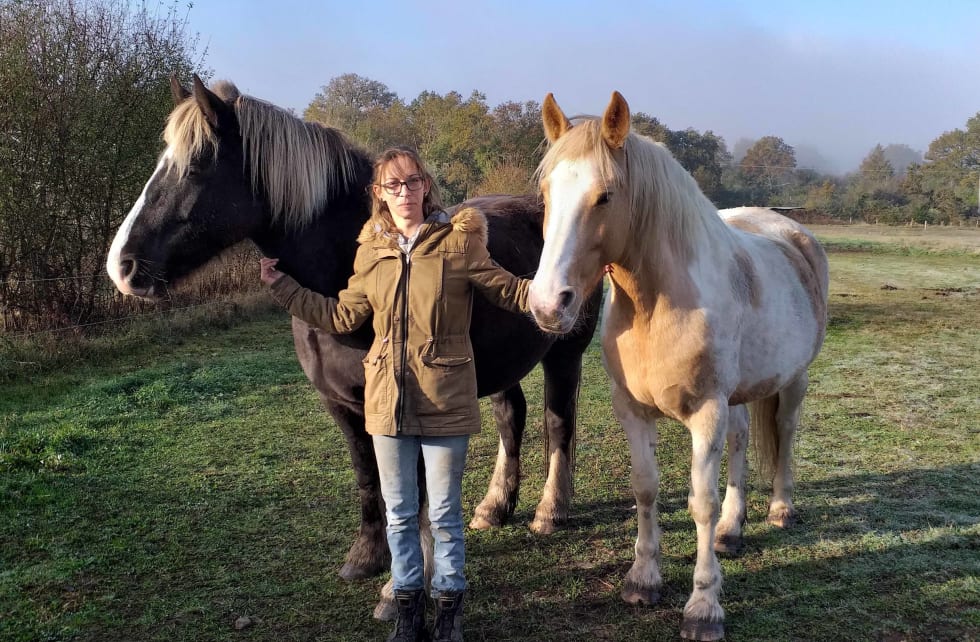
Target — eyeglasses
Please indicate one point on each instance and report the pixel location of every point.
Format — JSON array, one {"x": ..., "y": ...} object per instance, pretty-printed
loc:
[{"x": 394, "y": 187}]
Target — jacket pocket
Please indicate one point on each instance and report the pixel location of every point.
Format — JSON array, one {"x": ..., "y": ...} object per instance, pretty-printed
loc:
[
  {"x": 445, "y": 361},
  {"x": 376, "y": 378},
  {"x": 447, "y": 383}
]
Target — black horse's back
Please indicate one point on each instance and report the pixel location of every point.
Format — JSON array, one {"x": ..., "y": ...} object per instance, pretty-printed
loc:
[{"x": 507, "y": 346}]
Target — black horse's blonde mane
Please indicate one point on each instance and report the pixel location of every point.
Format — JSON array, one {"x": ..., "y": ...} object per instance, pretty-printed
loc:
[{"x": 297, "y": 165}]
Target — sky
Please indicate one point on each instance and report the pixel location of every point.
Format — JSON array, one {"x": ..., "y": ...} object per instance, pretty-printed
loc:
[{"x": 836, "y": 77}]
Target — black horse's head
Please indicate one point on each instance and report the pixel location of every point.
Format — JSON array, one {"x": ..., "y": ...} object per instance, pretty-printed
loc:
[
  {"x": 234, "y": 168},
  {"x": 198, "y": 202}
]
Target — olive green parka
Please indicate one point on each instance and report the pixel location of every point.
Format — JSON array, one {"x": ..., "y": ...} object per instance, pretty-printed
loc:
[{"x": 419, "y": 373}]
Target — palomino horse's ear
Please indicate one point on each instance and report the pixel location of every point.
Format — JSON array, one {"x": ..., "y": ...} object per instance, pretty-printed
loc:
[
  {"x": 209, "y": 103},
  {"x": 616, "y": 121},
  {"x": 555, "y": 123},
  {"x": 178, "y": 91}
]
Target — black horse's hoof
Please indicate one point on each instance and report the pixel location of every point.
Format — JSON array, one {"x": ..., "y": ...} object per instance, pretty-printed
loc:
[
  {"x": 484, "y": 521},
  {"x": 544, "y": 526},
  {"x": 703, "y": 631},
  {"x": 351, "y": 572}
]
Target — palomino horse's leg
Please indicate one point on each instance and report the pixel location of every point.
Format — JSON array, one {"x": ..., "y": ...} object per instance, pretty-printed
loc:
[
  {"x": 510, "y": 413},
  {"x": 728, "y": 534},
  {"x": 781, "y": 512},
  {"x": 703, "y": 615},
  {"x": 562, "y": 368},
  {"x": 643, "y": 581}
]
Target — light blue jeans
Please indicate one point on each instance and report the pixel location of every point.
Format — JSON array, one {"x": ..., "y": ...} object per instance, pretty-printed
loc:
[{"x": 445, "y": 458}]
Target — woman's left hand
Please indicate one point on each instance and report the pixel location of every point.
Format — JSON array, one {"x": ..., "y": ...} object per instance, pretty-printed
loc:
[{"x": 268, "y": 273}]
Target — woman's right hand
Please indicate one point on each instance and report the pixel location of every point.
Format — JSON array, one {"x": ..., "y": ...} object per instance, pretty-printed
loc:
[{"x": 268, "y": 273}]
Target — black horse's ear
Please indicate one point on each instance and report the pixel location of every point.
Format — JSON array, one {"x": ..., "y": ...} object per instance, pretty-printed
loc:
[
  {"x": 179, "y": 93},
  {"x": 208, "y": 101}
]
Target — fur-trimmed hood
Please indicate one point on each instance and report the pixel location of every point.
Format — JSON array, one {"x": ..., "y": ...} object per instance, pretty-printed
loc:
[{"x": 468, "y": 220}]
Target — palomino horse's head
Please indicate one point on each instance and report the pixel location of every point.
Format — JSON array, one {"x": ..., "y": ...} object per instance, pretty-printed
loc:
[
  {"x": 583, "y": 182},
  {"x": 181, "y": 220}
]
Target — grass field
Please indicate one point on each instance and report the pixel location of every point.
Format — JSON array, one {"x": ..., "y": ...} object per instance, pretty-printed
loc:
[
  {"x": 162, "y": 490},
  {"x": 953, "y": 239}
]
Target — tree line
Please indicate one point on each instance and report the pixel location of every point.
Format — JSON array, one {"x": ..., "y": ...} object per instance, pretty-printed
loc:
[
  {"x": 475, "y": 149},
  {"x": 84, "y": 93}
]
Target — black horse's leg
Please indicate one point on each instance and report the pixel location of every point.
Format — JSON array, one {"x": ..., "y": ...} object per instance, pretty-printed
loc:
[
  {"x": 510, "y": 413},
  {"x": 562, "y": 370},
  {"x": 368, "y": 555},
  {"x": 562, "y": 366}
]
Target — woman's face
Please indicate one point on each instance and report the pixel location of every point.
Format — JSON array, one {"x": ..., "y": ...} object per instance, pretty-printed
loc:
[{"x": 399, "y": 177}]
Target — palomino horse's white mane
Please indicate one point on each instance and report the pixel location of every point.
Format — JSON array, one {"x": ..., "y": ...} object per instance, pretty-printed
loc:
[
  {"x": 665, "y": 200},
  {"x": 298, "y": 165}
]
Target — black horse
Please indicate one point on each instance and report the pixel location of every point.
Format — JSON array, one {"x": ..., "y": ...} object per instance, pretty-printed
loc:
[{"x": 239, "y": 168}]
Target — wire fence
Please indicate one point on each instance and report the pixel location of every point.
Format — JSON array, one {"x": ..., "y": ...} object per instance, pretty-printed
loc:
[
  {"x": 89, "y": 303},
  {"x": 81, "y": 327}
]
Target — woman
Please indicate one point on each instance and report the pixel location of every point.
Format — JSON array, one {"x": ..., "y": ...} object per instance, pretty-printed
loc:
[{"x": 415, "y": 270}]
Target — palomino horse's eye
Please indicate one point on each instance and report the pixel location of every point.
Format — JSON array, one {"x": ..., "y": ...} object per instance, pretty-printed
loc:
[{"x": 603, "y": 198}]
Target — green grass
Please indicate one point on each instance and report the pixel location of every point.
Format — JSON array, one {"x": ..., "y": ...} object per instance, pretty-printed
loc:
[{"x": 161, "y": 490}]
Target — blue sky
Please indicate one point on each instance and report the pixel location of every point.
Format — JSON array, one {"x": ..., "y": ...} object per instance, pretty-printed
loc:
[{"x": 837, "y": 76}]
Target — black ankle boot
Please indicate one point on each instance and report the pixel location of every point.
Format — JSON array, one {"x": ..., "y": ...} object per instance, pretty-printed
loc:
[
  {"x": 449, "y": 618},
  {"x": 410, "y": 626}
]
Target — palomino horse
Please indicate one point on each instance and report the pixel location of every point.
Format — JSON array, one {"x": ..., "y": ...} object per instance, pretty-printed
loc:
[
  {"x": 704, "y": 314},
  {"x": 237, "y": 168}
]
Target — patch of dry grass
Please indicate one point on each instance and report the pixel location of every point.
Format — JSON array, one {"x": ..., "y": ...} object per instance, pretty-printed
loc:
[{"x": 936, "y": 238}]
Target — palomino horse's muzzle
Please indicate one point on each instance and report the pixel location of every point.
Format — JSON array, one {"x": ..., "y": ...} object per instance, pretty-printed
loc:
[{"x": 555, "y": 313}]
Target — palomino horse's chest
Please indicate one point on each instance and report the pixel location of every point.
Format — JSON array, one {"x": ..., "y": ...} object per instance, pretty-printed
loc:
[{"x": 662, "y": 361}]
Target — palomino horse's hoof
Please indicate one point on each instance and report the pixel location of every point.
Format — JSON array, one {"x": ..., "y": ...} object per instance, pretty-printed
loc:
[
  {"x": 635, "y": 594},
  {"x": 351, "y": 572},
  {"x": 386, "y": 610},
  {"x": 781, "y": 518},
  {"x": 705, "y": 631},
  {"x": 729, "y": 545}
]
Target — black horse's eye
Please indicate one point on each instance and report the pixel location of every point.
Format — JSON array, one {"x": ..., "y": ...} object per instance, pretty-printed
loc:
[{"x": 603, "y": 198}]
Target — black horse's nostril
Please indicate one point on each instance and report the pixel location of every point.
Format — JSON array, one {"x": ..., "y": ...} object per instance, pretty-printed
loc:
[
  {"x": 565, "y": 299},
  {"x": 127, "y": 267}
]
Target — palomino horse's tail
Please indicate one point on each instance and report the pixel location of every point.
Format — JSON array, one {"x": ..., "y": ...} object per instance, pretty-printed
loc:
[{"x": 765, "y": 435}]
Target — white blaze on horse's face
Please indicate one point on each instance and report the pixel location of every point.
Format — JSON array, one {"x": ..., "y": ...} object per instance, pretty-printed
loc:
[
  {"x": 571, "y": 262},
  {"x": 118, "y": 264}
]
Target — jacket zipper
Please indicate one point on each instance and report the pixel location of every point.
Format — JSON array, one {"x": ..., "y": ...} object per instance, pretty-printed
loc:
[
  {"x": 407, "y": 262},
  {"x": 400, "y": 416}
]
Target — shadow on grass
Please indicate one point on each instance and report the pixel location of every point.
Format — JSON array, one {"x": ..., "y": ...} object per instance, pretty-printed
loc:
[
  {"x": 875, "y": 556},
  {"x": 137, "y": 555},
  {"x": 924, "y": 311},
  {"x": 893, "y": 594}
]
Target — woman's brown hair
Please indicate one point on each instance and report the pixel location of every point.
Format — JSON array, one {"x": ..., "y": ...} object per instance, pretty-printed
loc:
[{"x": 431, "y": 202}]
